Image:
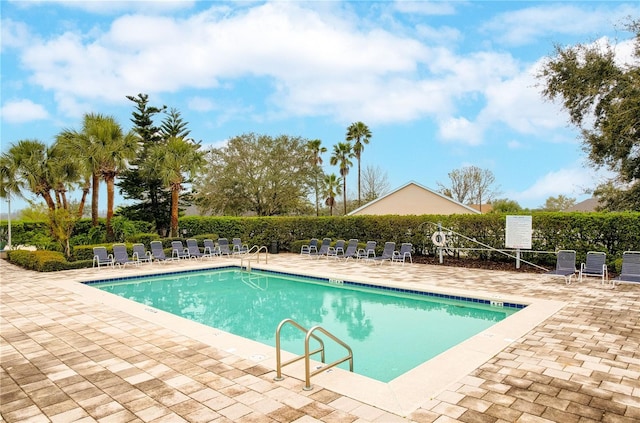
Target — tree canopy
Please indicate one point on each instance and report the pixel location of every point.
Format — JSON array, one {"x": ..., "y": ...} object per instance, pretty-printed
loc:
[
  {"x": 257, "y": 174},
  {"x": 470, "y": 185},
  {"x": 602, "y": 96}
]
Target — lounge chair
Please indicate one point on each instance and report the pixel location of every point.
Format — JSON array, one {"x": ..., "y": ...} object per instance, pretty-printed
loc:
[
  {"x": 337, "y": 250},
  {"x": 404, "y": 253},
  {"x": 324, "y": 248},
  {"x": 387, "y": 252},
  {"x": 351, "y": 251},
  {"x": 210, "y": 250},
  {"x": 368, "y": 252},
  {"x": 193, "y": 249},
  {"x": 311, "y": 248},
  {"x": 157, "y": 252},
  {"x": 630, "y": 271},
  {"x": 239, "y": 247},
  {"x": 121, "y": 256},
  {"x": 595, "y": 265},
  {"x": 141, "y": 254},
  {"x": 178, "y": 251},
  {"x": 101, "y": 257},
  {"x": 223, "y": 247},
  {"x": 565, "y": 265}
]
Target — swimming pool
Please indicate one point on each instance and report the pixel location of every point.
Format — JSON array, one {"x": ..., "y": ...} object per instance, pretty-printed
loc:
[{"x": 390, "y": 331}]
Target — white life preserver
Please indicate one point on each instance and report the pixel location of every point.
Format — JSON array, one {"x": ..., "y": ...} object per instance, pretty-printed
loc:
[{"x": 439, "y": 239}]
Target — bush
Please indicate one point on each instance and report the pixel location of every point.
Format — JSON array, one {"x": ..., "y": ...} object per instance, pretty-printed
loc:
[{"x": 40, "y": 260}]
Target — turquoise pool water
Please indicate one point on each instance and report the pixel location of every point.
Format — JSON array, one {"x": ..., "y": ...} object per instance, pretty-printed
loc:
[{"x": 390, "y": 332}]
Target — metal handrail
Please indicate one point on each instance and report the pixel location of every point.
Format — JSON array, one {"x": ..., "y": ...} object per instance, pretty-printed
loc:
[
  {"x": 307, "y": 354},
  {"x": 254, "y": 252}
]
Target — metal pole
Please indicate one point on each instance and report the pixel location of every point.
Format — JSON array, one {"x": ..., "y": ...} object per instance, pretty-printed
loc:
[
  {"x": 517, "y": 258},
  {"x": 8, "y": 246},
  {"x": 441, "y": 259}
]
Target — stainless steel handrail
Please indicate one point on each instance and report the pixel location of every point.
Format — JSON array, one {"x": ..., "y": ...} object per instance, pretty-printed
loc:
[
  {"x": 254, "y": 252},
  {"x": 307, "y": 353}
]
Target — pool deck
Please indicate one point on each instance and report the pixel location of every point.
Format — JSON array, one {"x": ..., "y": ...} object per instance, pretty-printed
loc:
[{"x": 69, "y": 354}]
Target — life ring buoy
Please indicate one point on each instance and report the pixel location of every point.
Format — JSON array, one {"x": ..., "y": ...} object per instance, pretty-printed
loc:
[{"x": 439, "y": 239}]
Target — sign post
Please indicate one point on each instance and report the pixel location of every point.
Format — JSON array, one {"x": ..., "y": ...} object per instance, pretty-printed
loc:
[{"x": 518, "y": 234}]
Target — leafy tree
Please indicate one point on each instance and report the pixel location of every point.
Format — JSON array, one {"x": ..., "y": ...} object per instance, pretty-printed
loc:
[
  {"x": 375, "y": 183},
  {"x": 341, "y": 157},
  {"x": 29, "y": 165},
  {"x": 360, "y": 133},
  {"x": 316, "y": 148},
  {"x": 175, "y": 163},
  {"x": 256, "y": 173},
  {"x": 331, "y": 189},
  {"x": 153, "y": 201},
  {"x": 559, "y": 203},
  {"x": 112, "y": 150},
  {"x": 470, "y": 185},
  {"x": 602, "y": 97},
  {"x": 504, "y": 205}
]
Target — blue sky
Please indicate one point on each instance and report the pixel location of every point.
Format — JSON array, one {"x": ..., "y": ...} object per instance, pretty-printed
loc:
[{"x": 441, "y": 85}]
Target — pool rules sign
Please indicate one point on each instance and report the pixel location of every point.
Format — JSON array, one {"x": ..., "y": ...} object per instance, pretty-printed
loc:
[{"x": 519, "y": 232}]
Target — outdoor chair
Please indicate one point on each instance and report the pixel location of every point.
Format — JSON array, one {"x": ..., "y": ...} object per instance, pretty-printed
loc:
[
  {"x": 368, "y": 252},
  {"x": 193, "y": 249},
  {"x": 239, "y": 247},
  {"x": 223, "y": 247},
  {"x": 337, "y": 250},
  {"x": 178, "y": 251},
  {"x": 101, "y": 257},
  {"x": 387, "y": 252},
  {"x": 324, "y": 248},
  {"x": 141, "y": 254},
  {"x": 630, "y": 271},
  {"x": 351, "y": 251},
  {"x": 121, "y": 256},
  {"x": 594, "y": 265},
  {"x": 311, "y": 248},
  {"x": 157, "y": 252},
  {"x": 565, "y": 265},
  {"x": 210, "y": 250},
  {"x": 404, "y": 253}
]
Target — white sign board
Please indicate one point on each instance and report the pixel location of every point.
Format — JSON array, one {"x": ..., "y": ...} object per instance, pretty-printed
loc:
[{"x": 519, "y": 232}]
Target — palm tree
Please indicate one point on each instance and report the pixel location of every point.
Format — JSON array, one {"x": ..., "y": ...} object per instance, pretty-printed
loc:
[
  {"x": 109, "y": 152},
  {"x": 360, "y": 133},
  {"x": 342, "y": 152},
  {"x": 171, "y": 162},
  {"x": 331, "y": 189},
  {"x": 316, "y": 149},
  {"x": 27, "y": 165}
]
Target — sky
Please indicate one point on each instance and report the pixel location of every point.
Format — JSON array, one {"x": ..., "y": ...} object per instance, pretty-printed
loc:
[{"x": 440, "y": 84}]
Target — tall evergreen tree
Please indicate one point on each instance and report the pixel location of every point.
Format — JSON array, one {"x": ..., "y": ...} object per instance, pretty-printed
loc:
[
  {"x": 316, "y": 149},
  {"x": 153, "y": 198}
]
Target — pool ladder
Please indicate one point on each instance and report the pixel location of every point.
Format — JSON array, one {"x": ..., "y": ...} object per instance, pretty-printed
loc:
[
  {"x": 307, "y": 354},
  {"x": 254, "y": 253}
]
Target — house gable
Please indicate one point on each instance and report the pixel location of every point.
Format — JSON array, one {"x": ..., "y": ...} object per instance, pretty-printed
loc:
[{"x": 413, "y": 199}]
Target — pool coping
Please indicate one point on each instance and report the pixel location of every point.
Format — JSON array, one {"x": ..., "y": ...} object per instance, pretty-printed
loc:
[{"x": 402, "y": 395}]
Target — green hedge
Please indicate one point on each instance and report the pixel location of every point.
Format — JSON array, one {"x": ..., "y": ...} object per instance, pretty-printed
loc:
[{"x": 44, "y": 261}]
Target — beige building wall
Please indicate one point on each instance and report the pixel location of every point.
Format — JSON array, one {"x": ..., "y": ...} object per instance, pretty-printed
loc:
[{"x": 413, "y": 199}]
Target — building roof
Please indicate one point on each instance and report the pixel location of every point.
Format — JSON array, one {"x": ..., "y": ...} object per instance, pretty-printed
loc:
[
  {"x": 413, "y": 199},
  {"x": 588, "y": 205}
]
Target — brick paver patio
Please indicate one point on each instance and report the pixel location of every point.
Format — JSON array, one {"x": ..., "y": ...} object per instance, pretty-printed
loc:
[{"x": 65, "y": 359}]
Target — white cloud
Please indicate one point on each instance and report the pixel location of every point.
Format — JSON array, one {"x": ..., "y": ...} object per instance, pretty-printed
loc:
[
  {"x": 425, "y": 7},
  {"x": 201, "y": 104},
  {"x": 571, "y": 182},
  {"x": 104, "y": 7},
  {"x": 21, "y": 111},
  {"x": 461, "y": 130},
  {"x": 14, "y": 34}
]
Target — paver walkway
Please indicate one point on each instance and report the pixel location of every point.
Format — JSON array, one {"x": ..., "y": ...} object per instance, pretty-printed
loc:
[{"x": 64, "y": 359}]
